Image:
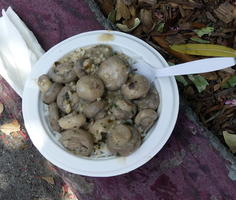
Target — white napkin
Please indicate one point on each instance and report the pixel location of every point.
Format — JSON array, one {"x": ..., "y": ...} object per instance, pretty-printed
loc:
[{"x": 19, "y": 50}]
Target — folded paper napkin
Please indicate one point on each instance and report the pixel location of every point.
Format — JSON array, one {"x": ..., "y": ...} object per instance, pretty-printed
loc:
[{"x": 19, "y": 50}]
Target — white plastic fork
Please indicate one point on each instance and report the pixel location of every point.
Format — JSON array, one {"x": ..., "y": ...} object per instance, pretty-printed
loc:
[{"x": 193, "y": 67}]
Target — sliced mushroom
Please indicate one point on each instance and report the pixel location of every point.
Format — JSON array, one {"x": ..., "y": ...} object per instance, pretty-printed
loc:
[
  {"x": 53, "y": 116},
  {"x": 114, "y": 72},
  {"x": 123, "y": 109},
  {"x": 145, "y": 119},
  {"x": 90, "y": 88},
  {"x": 92, "y": 109},
  {"x": 151, "y": 101},
  {"x": 77, "y": 141},
  {"x": 44, "y": 83},
  {"x": 136, "y": 87},
  {"x": 72, "y": 120},
  {"x": 63, "y": 99},
  {"x": 51, "y": 94},
  {"x": 62, "y": 73},
  {"x": 100, "y": 126},
  {"x": 123, "y": 140}
]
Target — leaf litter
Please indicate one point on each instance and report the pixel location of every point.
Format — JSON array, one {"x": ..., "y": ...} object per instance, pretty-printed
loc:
[{"x": 210, "y": 24}]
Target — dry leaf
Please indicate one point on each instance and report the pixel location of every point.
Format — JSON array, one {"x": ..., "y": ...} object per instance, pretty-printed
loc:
[
  {"x": 211, "y": 76},
  {"x": 122, "y": 11},
  {"x": 128, "y": 2},
  {"x": 105, "y": 5},
  {"x": 10, "y": 127},
  {"x": 230, "y": 140},
  {"x": 204, "y": 50},
  {"x": 1, "y": 108},
  {"x": 125, "y": 28},
  {"x": 229, "y": 70},
  {"x": 48, "y": 179},
  {"x": 146, "y": 19},
  {"x": 147, "y": 2},
  {"x": 225, "y": 12},
  {"x": 160, "y": 41},
  {"x": 132, "y": 11},
  {"x": 67, "y": 193}
]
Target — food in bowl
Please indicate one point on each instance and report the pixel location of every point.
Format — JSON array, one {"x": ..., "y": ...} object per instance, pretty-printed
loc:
[{"x": 95, "y": 99}]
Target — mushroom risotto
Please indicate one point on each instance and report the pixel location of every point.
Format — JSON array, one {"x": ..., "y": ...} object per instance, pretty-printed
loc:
[{"x": 96, "y": 99}]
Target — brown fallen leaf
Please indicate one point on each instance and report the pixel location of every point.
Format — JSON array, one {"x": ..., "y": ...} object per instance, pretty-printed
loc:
[
  {"x": 122, "y": 11},
  {"x": 48, "y": 179},
  {"x": 10, "y": 127},
  {"x": 147, "y": 2},
  {"x": 1, "y": 108},
  {"x": 225, "y": 12},
  {"x": 146, "y": 19},
  {"x": 105, "y": 5},
  {"x": 160, "y": 41},
  {"x": 132, "y": 11},
  {"x": 212, "y": 76}
]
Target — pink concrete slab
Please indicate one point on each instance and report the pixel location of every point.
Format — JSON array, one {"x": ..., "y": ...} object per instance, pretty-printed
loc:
[{"x": 192, "y": 165}]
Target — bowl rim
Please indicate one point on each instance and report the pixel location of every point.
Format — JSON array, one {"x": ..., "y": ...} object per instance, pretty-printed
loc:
[{"x": 119, "y": 165}]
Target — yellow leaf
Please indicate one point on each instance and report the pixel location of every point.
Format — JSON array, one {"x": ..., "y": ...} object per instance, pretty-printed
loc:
[
  {"x": 230, "y": 140},
  {"x": 10, "y": 127},
  {"x": 204, "y": 50},
  {"x": 49, "y": 179}
]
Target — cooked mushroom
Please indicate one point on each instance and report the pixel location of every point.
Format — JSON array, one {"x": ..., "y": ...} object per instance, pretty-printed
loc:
[
  {"x": 151, "y": 101},
  {"x": 145, "y": 118},
  {"x": 53, "y": 116},
  {"x": 123, "y": 140},
  {"x": 123, "y": 109},
  {"x": 77, "y": 141},
  {"x": 62, "y": 73},
  {"x": 136, "y": 87},
  {"x": 100, "y": 126},
  {"x": 63, "y": 99},
  {"x": 78, "y": 68},
  {"x": 98, "y": 53},
  {"x": 113, "y": 72},
  {"x": 44, "y": 83},
  {"x": 92, "y": 109},
  {"x": 72, "y": 120},
  {"x": 90, "y": 88},
  {"x": 51, "y": 94}
]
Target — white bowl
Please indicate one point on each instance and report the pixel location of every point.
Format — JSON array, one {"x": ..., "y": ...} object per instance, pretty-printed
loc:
[{"x": 46, "y": 142}]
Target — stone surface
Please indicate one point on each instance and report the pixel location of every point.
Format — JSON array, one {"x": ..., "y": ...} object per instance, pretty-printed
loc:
[
  {"x": 188, "y": 167},
  {"x": 192, "y": 165}
]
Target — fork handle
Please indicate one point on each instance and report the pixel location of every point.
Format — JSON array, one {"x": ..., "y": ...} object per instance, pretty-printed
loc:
[{"x": 197, "y": 67}]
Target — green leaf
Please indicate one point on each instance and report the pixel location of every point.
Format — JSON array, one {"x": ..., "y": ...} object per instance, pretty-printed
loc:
[
  {"x": 160, "y": 27},
  {"x": 182, "y": 80},
  {"x": 199, "y": 40},
  {"x": 199, "y": 81},
  {"x": 204, "y": 31},
  {"x": 204, "y": 50},
  {"x": 230, "y": 140},
  {"x": 112, "y": 16},
  {"x": 232, "y": 81}
]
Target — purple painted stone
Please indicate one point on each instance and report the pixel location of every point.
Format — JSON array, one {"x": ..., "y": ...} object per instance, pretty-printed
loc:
[{"x": 187, "y": 168}]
